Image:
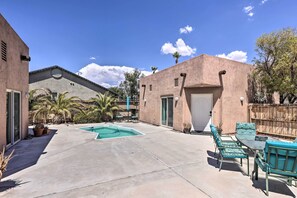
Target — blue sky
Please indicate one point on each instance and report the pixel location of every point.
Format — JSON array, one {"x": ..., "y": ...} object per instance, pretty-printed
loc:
[{"x": 131, "y": 33}]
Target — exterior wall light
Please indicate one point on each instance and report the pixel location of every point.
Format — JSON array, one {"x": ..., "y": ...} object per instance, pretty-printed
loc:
[
  {"x": 176, "y": 98},
  {"x": 25, "y": 58},
  {"x": 223, "y": 72},
  {"x": 183, "y": 74},
  {"x": 144, "y": 100},
  {"x": 241, "y": 100},
  {"x": 27, "y": 95}
]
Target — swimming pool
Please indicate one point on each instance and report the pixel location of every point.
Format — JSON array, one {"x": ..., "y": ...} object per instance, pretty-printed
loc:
[{"x": 111, "y": 131}]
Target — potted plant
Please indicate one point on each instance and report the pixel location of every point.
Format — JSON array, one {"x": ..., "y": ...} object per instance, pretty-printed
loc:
[
  {"x": 220, "y": 128},
  {"x": 38, "y": 130},
  {"x": 4, "y": 161},
  {"x": 187, "y": 128},
  {"x": 46, "y": 130}
]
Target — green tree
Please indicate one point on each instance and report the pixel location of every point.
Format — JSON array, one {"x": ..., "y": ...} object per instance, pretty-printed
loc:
[
  {"x": 276, "y": 64},
  {"x": 176, "y": 55},
  {"x": 130, "y": 84},
  {"x": 154, "y": 69},
  {"x": 119, "y": 91},
  {"x": 103, "y": 106}
]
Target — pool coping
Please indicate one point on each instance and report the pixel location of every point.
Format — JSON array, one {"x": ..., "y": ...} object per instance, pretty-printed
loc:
[{"x": 107, "y": 125}]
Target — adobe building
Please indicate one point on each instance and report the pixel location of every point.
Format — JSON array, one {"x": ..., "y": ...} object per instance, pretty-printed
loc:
[
  {"x": 59, "y": 80},
  {"x": 199, "y": 91},
  {"x": 14, "y": 87}
]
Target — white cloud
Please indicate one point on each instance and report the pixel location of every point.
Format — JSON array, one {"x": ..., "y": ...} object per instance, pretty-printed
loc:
[
  {"x": 180, "y": 47},
  {"x": 251, "y": 14},
  {"x": 92, "y": 58},
  {"x": 263, "y": 1},
  {"x": 185, "y": 30},
  {"x": 249, "y": 10},
  {"x": 239, "y": 56},
  {"x": 106, "y": 76}
]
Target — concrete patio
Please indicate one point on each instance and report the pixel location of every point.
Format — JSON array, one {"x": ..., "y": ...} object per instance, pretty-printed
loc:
[{"x": 69, "y": 162}]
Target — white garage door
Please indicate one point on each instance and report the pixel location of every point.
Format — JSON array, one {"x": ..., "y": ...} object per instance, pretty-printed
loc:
[{"x": 201, "y": 110}]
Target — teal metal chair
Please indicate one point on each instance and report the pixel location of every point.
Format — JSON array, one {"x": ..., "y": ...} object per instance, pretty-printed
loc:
[
  {"x": 228, "y": 149},
  {"x": 278, "y": 159},
  {"x": 243, "y": 128},
  {"x": 228, "y": 141}
]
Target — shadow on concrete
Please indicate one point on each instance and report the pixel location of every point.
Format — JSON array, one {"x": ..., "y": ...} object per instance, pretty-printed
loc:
[
  {"x": 275, "y": 186},
  {"x": 9, "y": 184},
  {"x": 27, "y": 153},
  {"x": 228, "y": 164},
  {"x": 204, "y": 133},
  {"x": 212, "y": 154}
]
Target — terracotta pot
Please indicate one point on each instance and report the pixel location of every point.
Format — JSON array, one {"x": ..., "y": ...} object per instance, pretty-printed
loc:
[
  {"x": 38, "y": 132},
  {"x": 46, "y": 131}
]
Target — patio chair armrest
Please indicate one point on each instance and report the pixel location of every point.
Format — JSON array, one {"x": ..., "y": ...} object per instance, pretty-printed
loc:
[
  {"x": 262, "y": 160},
  {"x": 260, "y": 156}
]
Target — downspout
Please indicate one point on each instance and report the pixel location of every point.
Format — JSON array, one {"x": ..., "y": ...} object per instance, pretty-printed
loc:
[{"x": 221, "y": 73}]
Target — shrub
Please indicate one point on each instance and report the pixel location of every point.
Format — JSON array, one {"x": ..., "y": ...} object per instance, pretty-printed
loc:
[{"x": 81, "y": 118}]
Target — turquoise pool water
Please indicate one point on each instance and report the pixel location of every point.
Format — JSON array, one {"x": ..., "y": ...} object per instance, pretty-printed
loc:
[{"x": 111, "y": 131}]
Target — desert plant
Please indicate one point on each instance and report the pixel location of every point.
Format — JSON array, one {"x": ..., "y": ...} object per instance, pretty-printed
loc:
[
  {"x": 220, "y": 128},
  {"x": 4, "y": 161},
  {"x": 46, "y": 130},
  {"x": 38, "y": 130},
  {"x": 187, "y": 127},
  {"x": 88, "y": 117},
  {"x": 61, "y": 106},
  {"x": 103, "y": 106}
]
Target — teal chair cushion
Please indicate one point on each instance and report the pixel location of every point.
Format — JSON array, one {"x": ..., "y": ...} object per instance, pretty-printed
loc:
[
  {"x": 218, "y": 139},
  {"x": 233, "y": 153},
  {"x": 246, "y": 128},
  {"x": 216, "y": 135},
  {"x": 281, "y": 157}
]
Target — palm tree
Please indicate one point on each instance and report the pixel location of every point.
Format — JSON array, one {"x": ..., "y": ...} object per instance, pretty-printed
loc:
[
  {"x": 104, "y": 106},
  {"x": 154, "y": 69},
  {"x": 176, "y": 55},
  {"x": 37, "y": 108},
  {"x": 61, "y": 106},
  {"x": 35, "y": 95}
]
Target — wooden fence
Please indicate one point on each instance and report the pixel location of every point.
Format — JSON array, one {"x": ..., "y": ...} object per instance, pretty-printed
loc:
[{"x": 278, "y": 120}]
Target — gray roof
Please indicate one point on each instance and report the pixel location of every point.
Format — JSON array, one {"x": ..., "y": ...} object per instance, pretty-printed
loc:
[{"x": 69, "y": 72}]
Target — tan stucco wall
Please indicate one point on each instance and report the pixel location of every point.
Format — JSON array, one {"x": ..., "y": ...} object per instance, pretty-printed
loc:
[
  {"x": 203, "y": 69},
  {"x": 14, "y": 75}
]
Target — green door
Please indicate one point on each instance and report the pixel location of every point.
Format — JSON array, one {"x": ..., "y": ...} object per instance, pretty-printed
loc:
[
  {"x": 16, "y": 116},
  {"x": 167, "y": 111},
  {"x": 164, "y": 111},
  {"x": 13, "y": 117},
  {"x": 8, "y": 118},
  {"x": 170, "y": 112}
]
